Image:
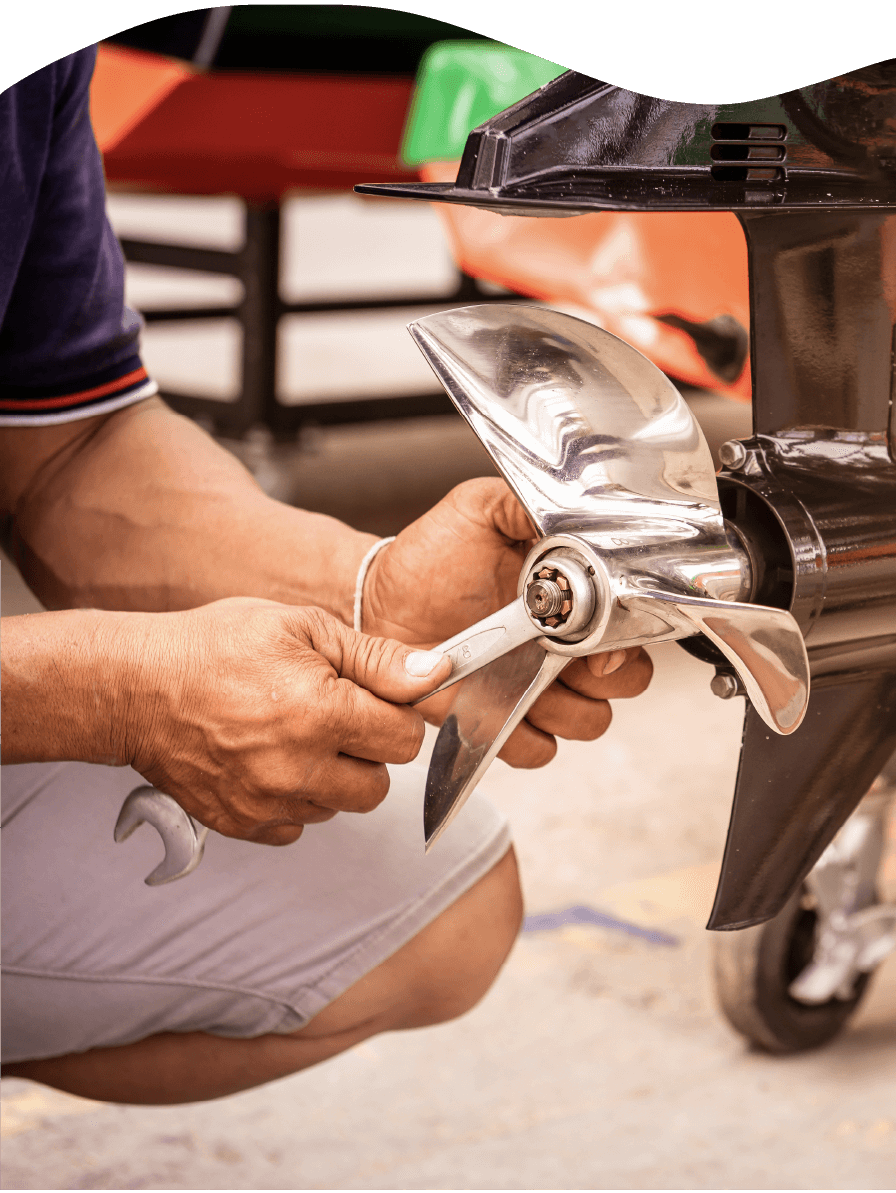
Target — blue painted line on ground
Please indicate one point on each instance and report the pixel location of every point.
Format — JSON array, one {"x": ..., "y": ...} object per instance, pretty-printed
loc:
[{"x": 581, "y": 914}]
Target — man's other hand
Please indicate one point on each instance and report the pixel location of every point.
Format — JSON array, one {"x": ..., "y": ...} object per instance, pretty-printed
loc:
[
  {"x": 454, "y": 566},
  {"x": 259, "y": 718}
]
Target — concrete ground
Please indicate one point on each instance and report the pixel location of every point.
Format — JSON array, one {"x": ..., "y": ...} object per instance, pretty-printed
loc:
[{"x": 598, "y": 1060}]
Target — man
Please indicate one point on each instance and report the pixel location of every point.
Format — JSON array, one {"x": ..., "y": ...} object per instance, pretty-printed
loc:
[{"x": 198, "y": 637}]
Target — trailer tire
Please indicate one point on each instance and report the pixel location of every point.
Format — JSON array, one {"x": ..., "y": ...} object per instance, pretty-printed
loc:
[{"x": 753, "y": 969}]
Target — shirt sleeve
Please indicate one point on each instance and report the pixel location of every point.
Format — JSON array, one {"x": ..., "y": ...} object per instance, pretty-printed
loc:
[{"x": 69, "y": 346}]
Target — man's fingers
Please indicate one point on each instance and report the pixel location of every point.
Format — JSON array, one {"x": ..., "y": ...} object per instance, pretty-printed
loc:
[
  {"x": 387, "y": 668},
  {"x": 342, "y": 784},
  {"x": 347, "y": 785},
  {"x": 489, "y": 501},
  {"x": 283, "y": 834},
  {"x": 373, "y": 729},
  {"x": 527, "y": 747},
  {"x": 566, "y": 714},
  {"x": 588, "y": 675},
  {"x": 264, "y": 820}
]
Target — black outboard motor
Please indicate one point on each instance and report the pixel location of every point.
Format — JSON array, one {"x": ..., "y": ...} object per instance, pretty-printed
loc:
[{"x": 811, "y": 175}]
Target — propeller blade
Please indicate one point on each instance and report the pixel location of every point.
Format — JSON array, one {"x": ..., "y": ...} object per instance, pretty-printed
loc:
[
  {"x": 486, "y": 710},
  {"x": 584, "y": 428},
  {"x": 794, "y": 793},
  {"x": 763, "y": 645}
]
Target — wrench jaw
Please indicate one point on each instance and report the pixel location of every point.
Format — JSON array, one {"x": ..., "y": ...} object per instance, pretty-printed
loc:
[{"x": 184, "y": 845}]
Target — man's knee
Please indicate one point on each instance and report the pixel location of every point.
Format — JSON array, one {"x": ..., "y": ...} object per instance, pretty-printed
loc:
[
  {"x": 441, "y": 972},
  {"x": 459, "y": 955}
]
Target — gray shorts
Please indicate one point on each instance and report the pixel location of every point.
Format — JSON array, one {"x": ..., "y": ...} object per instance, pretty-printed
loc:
[{"x": 257, "y": 939}]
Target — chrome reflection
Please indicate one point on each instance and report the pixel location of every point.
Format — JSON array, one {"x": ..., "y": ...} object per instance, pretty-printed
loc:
[
  {"x": 486, "y": 710},
  {"x": 581, "y": 425},
  {"x": 611, "y": 466}
]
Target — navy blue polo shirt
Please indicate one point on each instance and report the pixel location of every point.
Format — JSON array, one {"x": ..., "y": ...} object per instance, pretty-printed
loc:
[{"x": 68, "y": 343}]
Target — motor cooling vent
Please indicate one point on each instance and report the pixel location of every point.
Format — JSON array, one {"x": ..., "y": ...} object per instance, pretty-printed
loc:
[{"x": 748, "y": 152}]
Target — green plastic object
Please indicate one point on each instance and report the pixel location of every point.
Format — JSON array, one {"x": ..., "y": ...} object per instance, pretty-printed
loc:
[{"x": 459, "y": 85}]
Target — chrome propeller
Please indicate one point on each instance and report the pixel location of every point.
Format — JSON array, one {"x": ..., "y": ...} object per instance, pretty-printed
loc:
[{"x": 614, "y": 472}]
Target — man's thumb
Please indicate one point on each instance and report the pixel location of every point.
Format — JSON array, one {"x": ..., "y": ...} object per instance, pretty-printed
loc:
[{"x": 392, "y": 670}]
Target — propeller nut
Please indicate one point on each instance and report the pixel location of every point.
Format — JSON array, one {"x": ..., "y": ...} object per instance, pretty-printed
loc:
[{"x": 549, "y": 597}]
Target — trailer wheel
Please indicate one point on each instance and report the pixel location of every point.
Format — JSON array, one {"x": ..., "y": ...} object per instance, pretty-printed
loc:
[{"x": 753, "y": 970}]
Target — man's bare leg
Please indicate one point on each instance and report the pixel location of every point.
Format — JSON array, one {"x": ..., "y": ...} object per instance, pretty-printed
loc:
[{"x": 439, "y": 974}]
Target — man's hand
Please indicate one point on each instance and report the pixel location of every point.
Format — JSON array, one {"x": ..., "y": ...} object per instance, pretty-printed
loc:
[
  {"x": 454, "y": 566},
  {"x": 259, "y": 718}
]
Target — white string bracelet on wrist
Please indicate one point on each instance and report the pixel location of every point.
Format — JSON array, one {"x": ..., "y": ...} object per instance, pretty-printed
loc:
[{"x": 362, "y": 576}]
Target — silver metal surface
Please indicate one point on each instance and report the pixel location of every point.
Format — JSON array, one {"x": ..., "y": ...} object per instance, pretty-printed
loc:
[
  {"x": 588, "y": 433},
  {"x": 612, "y": 468},
  {"x": 545, "y": 598},
  {"x": 854, "y": 932},
  {"x": 516, "y": 623},
  {"x": 183, "y": 842},
  {"x": 594, "y": 440},
  {"x": 485, "y": 641},
  {"x": 764, "y": 646},
  {"x": 485, "y": 712},
  {"x": 608, "y": 461},
  {"x": 724, "y": 686},
  {"x": 733, "y": 454},
  {"x": 829, "y": 498}
]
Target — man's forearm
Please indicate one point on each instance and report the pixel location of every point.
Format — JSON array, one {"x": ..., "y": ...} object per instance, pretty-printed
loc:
[
  {"x": 148, "y": 512},
  {"x": 65, "y": 690}
]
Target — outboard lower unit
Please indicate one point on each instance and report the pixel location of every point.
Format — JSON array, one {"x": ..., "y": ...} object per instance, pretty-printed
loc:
[{"x": 811, "y": 175}]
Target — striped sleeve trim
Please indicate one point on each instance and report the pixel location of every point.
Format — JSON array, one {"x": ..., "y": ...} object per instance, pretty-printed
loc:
[{"x": 85, "y": 403}]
